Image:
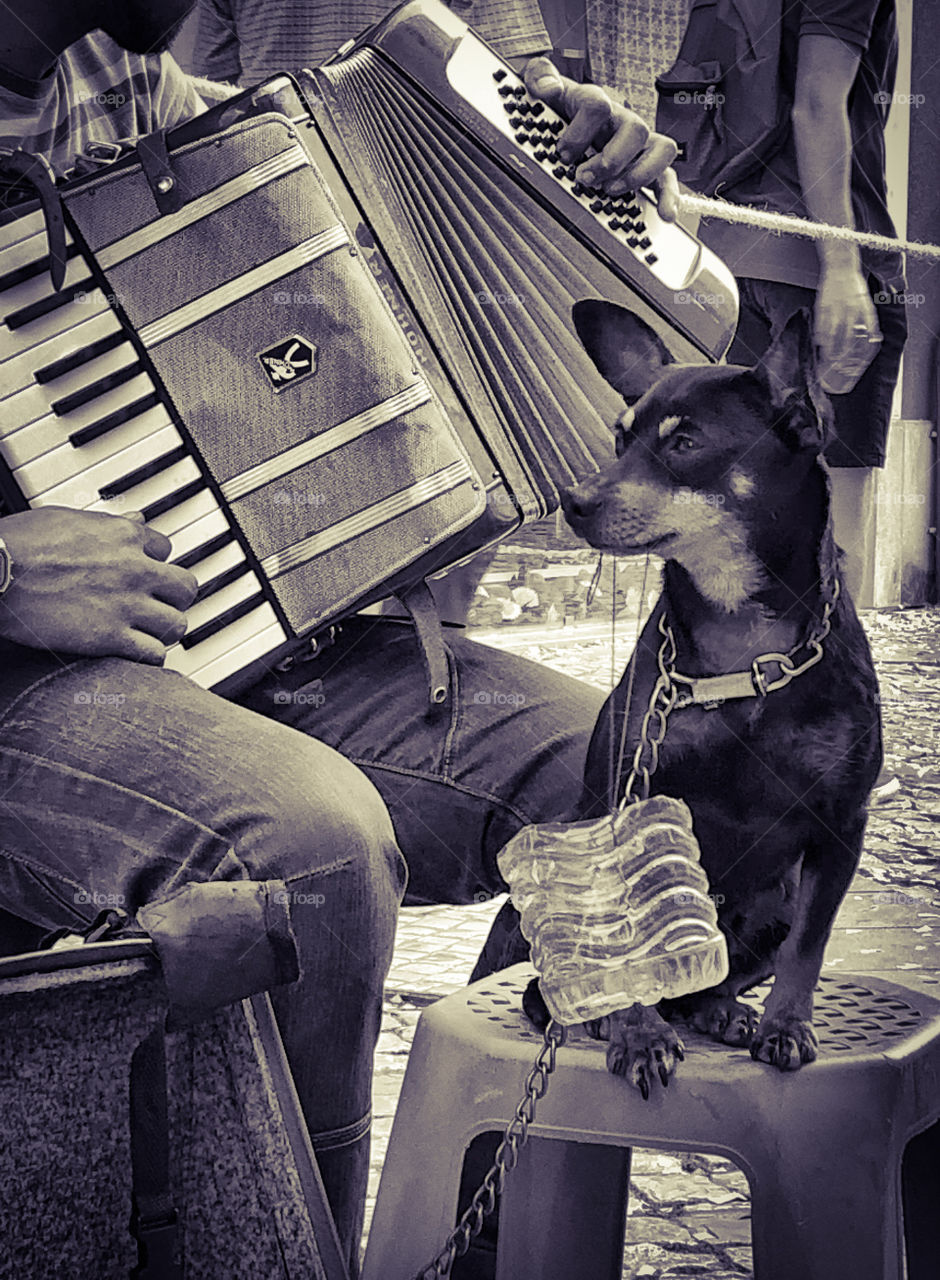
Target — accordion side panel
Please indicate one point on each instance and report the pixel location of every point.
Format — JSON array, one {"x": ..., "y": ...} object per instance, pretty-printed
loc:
[{"x": 292, "y": 377}]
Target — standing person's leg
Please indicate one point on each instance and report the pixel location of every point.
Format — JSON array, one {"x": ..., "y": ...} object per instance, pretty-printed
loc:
[
  {"x": 506, "y": 749},
  {"x": 121, "y": 779}
]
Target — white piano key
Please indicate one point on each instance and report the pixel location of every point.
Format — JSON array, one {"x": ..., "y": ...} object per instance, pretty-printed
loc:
[
  {"x": 195, "y": 532},
  {"x": 63, "y": 461},
  {"x": 36, "y": 439},
  {"x": 32, "y": 401},
  {"x": 182, "y": 517},
  {"x": 219, "y": 602},
  {"x": 25, "y": 242},
  {"x": 227, "y": 557},
  {"x": 225, "y": 653},
  {"x": 18, "y": 366},
  {"x": 35, "y": 288},
  {"x": 83, "y": 489},
  {"x": 55, "y": 324}
]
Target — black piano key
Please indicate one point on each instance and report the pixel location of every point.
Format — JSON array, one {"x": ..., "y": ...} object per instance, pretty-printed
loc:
[
  {"x": 652, "y": 259},
  {"x": 192, "y": 638},
  {"x": 538, "y": 108},
  {"x": 500, "y": 75},
  {"x": 94, "y": 430},
  {"x": 174, "y": 499},
  {"x": 646, "y": 243},
  {"x": 505, "y": 91},
  {"x": 146, "y": 472},
  {"x": 222, "y": 580},
  {"x": 52, "y": 302},
  {"x": 68, "y": 404},
  {"x": 29, "y": 270},
  {"x": 205, "y": 550},
  {"x": 49, "y": 372}
]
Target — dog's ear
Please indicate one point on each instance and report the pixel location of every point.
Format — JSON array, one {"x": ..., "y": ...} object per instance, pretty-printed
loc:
[
  {"x": 788, "y": 370},
  {"x": 628, "y": 353}
]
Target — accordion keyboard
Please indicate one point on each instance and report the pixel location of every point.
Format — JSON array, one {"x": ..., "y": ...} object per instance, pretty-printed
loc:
[{"x": 83, "y": 425}]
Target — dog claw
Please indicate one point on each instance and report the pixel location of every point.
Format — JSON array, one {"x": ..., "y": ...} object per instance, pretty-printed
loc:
[
  {"x": 643, "y": 1083},
  {"x": 679, "y": 1051},
  {"x": 664, "y": 1075}
]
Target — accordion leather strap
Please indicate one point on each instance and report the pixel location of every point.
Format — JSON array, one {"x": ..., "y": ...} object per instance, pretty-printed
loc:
[
  {"x": 158, "y": 170},
  {"x": 21, "y": 166},
  {"x": 419, "y": 602}
]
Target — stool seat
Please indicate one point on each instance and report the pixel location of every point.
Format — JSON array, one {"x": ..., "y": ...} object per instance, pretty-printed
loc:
[{"x": 834, "y": 1182}]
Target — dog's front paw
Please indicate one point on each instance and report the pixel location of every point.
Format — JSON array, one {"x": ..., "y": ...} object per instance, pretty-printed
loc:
[
  {"x": 725, "y": 1019},
  {"x": 785, "y": 1042},
  {"x": 642, "y": 1051}
]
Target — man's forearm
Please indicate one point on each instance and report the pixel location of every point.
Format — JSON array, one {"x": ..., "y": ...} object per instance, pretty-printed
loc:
[{"x": 823, "y": 141}]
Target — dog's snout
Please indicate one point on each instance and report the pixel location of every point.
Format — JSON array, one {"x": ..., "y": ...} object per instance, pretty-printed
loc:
[{"x": 580, "y": 503}]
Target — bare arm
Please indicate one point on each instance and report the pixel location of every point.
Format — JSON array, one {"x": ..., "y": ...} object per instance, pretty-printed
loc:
[{"x": 826, "y": 70}]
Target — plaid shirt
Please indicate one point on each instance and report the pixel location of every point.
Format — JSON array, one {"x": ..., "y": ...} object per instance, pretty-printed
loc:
[
  {"x": 97, "y": 92},
  {"x": 249, "y": 40}
]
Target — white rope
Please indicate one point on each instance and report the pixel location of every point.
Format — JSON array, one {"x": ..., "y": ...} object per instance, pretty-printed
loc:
[{"x": 708, "y": 208}]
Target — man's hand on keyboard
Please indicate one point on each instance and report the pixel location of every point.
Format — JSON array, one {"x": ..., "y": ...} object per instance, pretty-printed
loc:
[
  {"x": 95, "y": 584},
  {"x": 629, "y": 155}
]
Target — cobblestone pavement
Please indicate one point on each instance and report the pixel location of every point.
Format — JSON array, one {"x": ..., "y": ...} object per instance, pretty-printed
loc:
[{"x": 689, "y": 1213}]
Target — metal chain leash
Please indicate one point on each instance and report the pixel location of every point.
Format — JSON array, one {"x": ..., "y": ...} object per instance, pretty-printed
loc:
[
  {"x": 507, "y": 1155},
  {"x": 662, "y": 700}
]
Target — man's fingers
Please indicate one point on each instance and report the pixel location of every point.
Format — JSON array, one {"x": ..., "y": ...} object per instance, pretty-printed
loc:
[
  {"x": 543, "y": 80},
  {"x": 667, "y": 196},
  {"x": 646, "y": 169},
  {"x": 156, "y": 545},
  {"x": 176, "y": 586}
]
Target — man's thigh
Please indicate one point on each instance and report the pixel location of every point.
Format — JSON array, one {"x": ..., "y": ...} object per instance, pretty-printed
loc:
[
  {"x": 507, "y": 748},
  {"x": 120, "y": 782}
]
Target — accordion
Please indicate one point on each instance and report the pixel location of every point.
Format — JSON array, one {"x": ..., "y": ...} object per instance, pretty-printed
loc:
[{"x": 321, "y": 335}]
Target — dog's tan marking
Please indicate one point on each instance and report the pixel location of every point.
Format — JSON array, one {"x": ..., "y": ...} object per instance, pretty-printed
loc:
[
  {"x": 742, "y": 485},
  {"x": 668, "y": 425},
  {"x": 625, "y": 421}
]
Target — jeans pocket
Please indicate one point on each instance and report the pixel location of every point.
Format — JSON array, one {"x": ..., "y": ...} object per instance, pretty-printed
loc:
[{"x": 43, "y": 898}]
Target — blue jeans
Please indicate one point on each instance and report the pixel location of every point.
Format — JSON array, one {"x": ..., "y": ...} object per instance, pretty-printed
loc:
[{"x": 120, "y": 782}]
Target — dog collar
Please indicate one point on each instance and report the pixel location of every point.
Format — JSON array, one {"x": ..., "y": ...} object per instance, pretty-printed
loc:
[{"x": 766, "y": 674}]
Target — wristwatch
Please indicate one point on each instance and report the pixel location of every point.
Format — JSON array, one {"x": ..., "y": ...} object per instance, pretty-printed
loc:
[{"x": 6, "y": 567}]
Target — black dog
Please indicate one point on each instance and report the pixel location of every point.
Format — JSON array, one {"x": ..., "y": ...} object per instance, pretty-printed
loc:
[{"x": 719, "y": 472}]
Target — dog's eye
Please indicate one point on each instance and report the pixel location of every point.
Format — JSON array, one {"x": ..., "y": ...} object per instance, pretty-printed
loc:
[{"x": 681, "y": 442}]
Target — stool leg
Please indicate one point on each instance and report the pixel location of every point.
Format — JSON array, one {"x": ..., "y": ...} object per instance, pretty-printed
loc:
[
  {"x": 825, "y": 1208},
  {"x": 563, "y": 1212},
  {"x": 920, "y": 1174}
]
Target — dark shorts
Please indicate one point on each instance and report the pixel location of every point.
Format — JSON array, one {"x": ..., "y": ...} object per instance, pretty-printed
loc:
[{"x": 861, "y": 418}]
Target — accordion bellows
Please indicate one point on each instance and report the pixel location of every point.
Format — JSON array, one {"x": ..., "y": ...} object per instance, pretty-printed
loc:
[{"x": 616, "y": 909}]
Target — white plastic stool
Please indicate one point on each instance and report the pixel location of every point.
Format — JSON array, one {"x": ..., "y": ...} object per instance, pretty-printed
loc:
[{"x": 827, "y": 1150}]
